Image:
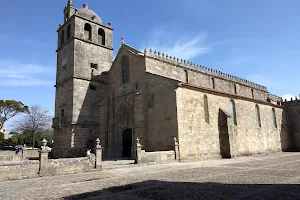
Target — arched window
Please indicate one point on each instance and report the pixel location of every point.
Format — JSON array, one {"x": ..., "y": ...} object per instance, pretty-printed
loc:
[
  {"x": 206, "y": 111},
  {"x": 274, "y": 117},
  {"x": 101, "y": 36},
  {"x": 125, "y": 70},
  {"x": 212, "y": 83},
  {"x": 68, "y": 32},
  {"x": 252, "y": 93},
  {"x": 62, "y": 38},
  {"x": 88, "y": 31},
  {"x": 235, "y": 90},
  {"x": 257, "y": 112},
  {"x": 232, "y": 112}
]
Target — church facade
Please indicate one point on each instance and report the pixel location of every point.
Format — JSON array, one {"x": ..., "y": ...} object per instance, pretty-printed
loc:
[{"x": 155, "y": 97}]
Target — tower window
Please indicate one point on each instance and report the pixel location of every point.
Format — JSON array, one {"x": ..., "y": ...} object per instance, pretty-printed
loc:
[
  {"x": 93, "y": 87},
  {"x": 235, "y": 90},
  {"x": 68, "y": 32},
  {"x": 186, "y": 78},
  {"x": 62, "y": 38},
  {"x": 64, "y": 67},
  {"x": 88, "y": 31},
  {"x": 274, "y": 117},
  {"x": 212, "y": 83},
  {"x": 94, "y": 66},
  {"x": 233, "y": 112},
  {"x": 125, "y": 70},
  {"x": 252, "y": 93},
  {"x": 101, "y": 36},
  {"x": 257, "y": 112},
  {"x": 206, "y": 111}
]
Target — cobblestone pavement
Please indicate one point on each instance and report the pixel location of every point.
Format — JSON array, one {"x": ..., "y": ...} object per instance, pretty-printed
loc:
[{"x": 275, "y": 176}]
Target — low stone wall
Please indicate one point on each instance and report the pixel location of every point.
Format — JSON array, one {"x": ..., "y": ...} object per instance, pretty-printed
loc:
[
  {"x": 158, "y": 157},
  {"x": 70, "y": 165},
  {"x": 19, "y": 170},
  {"x": 32, "y": 153}
]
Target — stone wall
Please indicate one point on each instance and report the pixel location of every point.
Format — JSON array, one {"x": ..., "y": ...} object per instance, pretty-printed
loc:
[
  {"x": 19, "y": 170},
  {"x": 158, "y": 157},
  {"x": 291, "y": 117},
  {"x": 201, "y": 76},
  {"x": 201, "y": 140}
]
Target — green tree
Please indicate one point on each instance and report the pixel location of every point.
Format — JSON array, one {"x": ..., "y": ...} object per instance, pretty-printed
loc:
[
  {"x": 9, "y": 109},
  {"x": 34, "y": 122}
]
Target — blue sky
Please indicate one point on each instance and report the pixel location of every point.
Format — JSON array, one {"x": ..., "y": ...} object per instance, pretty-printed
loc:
[{"x": 257, "y": 40}]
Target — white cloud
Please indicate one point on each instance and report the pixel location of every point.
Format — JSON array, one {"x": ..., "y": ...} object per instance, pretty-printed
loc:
[
  {"x": 177, "y": 45},
  {"x": 13, "y": 73},
  {"x": 288, "y": 97}
]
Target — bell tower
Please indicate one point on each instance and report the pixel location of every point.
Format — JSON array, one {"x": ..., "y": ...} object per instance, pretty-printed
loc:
[{"x": 84, "y": 53}]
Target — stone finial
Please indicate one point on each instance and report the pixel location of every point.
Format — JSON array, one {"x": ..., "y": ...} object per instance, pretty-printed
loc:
[
  {"x": 175, "y": 139},
  {"x": 59, "y": 25},
  {"x": 123, "y": 39},
  {"x": 181, "y": 61},
  {"x": 163, "y": 55},
  {"x": 150, "y": 50},
  {"x": 174, "y": 58},
  {"x": 109, "y": 23},
  {"x": 167, "y": 56},
  {"x": 97, "y": 141},
  {"x": 184, "y": 62},
  {"x": 76, "y": 10},
  {"x": 85, "y": 6},
  {"x": 155, "y": 52},
  {"x": 94, "y": 17},
  {"x": 177, "y": 60},
  {"x": 137, "y": 140},
  {"x": 44, "y": 142},
  {"x": 158, "y": 53},
  {"x": 146, "y": 50}
]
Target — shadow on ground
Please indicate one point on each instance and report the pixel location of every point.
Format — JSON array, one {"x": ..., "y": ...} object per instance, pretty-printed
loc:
[{"x": 192, "y": 190}]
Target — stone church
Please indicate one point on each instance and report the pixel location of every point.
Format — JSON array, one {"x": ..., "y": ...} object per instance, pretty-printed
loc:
[{"x": 155, "y": 97}]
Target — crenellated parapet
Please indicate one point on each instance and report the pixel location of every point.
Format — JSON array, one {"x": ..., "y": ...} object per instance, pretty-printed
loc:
[
  {"x": 292, "y": 102},
  {"x": 199, "y": 68}
]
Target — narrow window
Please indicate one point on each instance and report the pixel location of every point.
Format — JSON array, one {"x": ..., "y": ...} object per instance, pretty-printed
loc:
[
  {"x": 88, "y": 31},
  {"x": 206, "y": 111},
  {"x": 258, "y": 122},
  {"x": 62, "y": 116},
  {"x": 94, "y": 66},
  {"x": 212, "y": 83},
  {"x": 151, "y": 101},
  {"x": 92, "y": 87},
  {"x": 64, "y": 67},
  {"x": 186, "y": 78},
  {"x": 68, "y": 32},
  {"x": 235, "y": 90},
  {"x": 125, "y": 70},
  {"x": 62, "y": 38},
  {"x": 232, "y": 112},
  {"x": 252, "y": 93},
  {"x": 274, "y": 117},
  {"x": 101, "y": 36}
]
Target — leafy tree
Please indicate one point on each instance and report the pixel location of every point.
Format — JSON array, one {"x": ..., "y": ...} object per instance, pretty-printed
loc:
[
  {"x": 9, "y": 109},
  {"x": 34, "y": 122}
]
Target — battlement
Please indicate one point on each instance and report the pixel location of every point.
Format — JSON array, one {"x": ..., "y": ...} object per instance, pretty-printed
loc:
[
  {"x": 200, "y": 68},
  {"x": 292, "y": 102}
]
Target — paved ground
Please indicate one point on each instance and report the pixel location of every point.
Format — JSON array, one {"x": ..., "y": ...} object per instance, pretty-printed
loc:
[{"x": 275, "y": 176}]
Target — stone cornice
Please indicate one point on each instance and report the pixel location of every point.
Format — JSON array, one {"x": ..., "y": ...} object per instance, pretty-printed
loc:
[
  {"x": 186, "y": 85},
  {"x": 79, "y": 77}
]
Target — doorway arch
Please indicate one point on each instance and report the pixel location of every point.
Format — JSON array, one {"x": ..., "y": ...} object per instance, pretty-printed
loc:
[
  {"x": 126, "y": 143},
  {"x": 223, "y": 135}
]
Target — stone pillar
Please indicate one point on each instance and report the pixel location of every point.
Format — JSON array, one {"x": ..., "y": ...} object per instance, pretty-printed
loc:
[
  {"x": 43, "y": 154},
  {"x": 24, "y": 152},
  {"x": 98, "y": 151},
  {"x": 138, "y": 147},
  {"x": 176, "y": 148}
]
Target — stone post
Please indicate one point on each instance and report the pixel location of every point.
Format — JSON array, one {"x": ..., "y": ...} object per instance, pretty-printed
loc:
[
  {"x": 176, "y": 146},
  {"x": 43, "y": 155},
  {"x": 138, "y": 147},
  {"x": 98, "y": 151},
  {"x": 24, "y": 152}
]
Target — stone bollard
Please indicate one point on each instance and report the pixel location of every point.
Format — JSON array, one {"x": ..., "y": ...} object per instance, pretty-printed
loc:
[
  {"x": 138, "y": 147},
  {"x": 43, "y": 155},
  {"x": 176, "y": 146},
  {"x": 98, "y": 151},
  {"x": 24, "y": 152}
]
